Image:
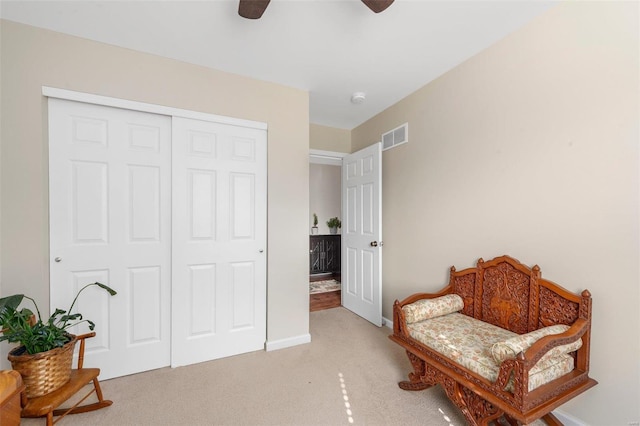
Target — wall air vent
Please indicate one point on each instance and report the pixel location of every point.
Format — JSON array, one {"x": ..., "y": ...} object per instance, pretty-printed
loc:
[{"x": 395, "y": 137}]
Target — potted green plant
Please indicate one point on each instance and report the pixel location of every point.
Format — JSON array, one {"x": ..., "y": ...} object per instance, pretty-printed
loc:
[
  {"x": 314, "y": 228},
  {"x": 45, "y": 347},
  {"x": 333, "y": 224}
]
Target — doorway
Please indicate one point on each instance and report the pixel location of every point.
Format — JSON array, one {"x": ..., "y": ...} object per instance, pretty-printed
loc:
[
  {"x": 325, "y": 202},
  {"x": 361, "y": 237}
]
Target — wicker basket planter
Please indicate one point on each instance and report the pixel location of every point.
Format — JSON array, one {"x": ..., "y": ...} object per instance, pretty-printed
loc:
[{"x": 43, "y": 372}]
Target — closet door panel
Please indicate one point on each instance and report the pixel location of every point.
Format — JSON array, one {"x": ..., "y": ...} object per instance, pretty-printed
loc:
[
  {"x": 219, "y": 240},
  {"x": 110, "y": 221}
]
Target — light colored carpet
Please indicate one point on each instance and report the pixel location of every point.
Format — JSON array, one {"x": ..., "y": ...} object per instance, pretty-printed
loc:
[
  {"x": 347, "y": 375},
  {"x": 323, "y": 286}
]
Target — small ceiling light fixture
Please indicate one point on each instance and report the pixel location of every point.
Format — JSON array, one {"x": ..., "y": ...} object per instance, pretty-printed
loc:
[{"x": 358, "y": 98}]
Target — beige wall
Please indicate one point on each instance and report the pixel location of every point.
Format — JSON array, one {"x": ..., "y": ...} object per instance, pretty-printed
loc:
[
  {"x": 32, "y": 58},
  {"x": 329, "y": 138},
  {"x": 530, "y": 149},
  {"x": 325, "y": 180},
  {"x": 325, "y": 191}
]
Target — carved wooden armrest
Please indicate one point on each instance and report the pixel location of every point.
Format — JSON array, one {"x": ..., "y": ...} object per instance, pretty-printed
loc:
[
  {"x": 526, "y": 360},
  {"x": 546, "y": 343},
  {"x": 399, "y": 319},
  {"x": 504, "y": 374}
]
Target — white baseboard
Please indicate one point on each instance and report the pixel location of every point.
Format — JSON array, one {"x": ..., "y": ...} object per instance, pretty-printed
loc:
[
  {"x": 288, "y": 342},
  {"x": 387, "y": 323},
  {"x": 567, "y": 419}
]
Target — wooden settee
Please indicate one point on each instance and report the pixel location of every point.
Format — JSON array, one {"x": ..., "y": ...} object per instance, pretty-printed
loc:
[{"x": 505, "y": 293}]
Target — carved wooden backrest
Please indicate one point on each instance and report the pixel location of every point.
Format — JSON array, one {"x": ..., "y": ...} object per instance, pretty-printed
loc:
[
  {"x": 504, "y": 292},
  {"x": 513, "y": 296},
  {"x": 464, "y": 285},
  {"x": 555, "y": 309}
]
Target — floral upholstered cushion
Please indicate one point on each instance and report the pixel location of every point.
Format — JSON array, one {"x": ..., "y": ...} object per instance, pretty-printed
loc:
[
  {"x": 431, "y": 308},
  {"x": 463, "y": 339},
  {"x": 511, "y": 347},
  {"x": 468, "y": 342},
  {"x": 548, "y": 369}
]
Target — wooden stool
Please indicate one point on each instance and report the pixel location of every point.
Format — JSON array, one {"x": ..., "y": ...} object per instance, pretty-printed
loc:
[{"x": 47, "y": 405}]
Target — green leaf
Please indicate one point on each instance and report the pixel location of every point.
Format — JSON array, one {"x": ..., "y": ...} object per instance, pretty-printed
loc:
[
  {"x": 40, "y": 337},
  {"x": 11, "y": 302},
  {"x": 106, "y": 287},
  {"x": 76, "y": 316}
]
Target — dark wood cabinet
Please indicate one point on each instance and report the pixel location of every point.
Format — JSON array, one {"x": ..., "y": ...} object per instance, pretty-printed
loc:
[{"x": 324, "y": 254}]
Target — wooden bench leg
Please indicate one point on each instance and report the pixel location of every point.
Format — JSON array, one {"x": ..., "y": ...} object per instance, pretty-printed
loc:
[
  {"x": 417, "y": 379},
  {"x": 477, "y": 410},
  {"x": 551, "y": 420},
  {"x": 511, "y": 421},
  {"x": 410, "y": 386}
]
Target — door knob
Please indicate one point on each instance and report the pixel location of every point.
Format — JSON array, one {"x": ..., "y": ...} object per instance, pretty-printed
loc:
[
  {"x": 374, "y": 244},
  {"x": 58, "y": 259}
]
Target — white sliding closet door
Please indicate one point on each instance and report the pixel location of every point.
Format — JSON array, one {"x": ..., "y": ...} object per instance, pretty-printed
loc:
[
  {"x": 110, "y": 221},
  {"x": 219, "y": 240},
  {"x": 171, "y": 213}
]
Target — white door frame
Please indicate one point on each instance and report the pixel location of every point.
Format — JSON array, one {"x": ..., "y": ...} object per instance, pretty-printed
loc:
[
  {"x": 332, "y": 158},
  {"x": 89, "y": 98}
]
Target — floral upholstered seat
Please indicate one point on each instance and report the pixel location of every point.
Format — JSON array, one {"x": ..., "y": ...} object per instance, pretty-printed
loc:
[{"x": 468, "y": 342}]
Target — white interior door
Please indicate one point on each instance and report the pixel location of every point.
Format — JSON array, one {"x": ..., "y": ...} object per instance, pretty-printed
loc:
[
  {"x": 362, "y": 233},
  {"x": 110, "y": 221},
  {"x": 219, "y": 240}
]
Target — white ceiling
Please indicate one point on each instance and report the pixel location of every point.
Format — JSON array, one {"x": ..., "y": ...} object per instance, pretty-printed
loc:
[{"x": 329, "y": 48}]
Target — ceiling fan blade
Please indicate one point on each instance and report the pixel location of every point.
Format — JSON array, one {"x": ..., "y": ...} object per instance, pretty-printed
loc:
[
  {"x": 252, "y": 9},
  {"x": 377, "y": 5}
]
